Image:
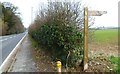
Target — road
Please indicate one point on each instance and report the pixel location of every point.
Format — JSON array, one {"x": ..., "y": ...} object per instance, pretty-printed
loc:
[{"x": 7, "y": 44}]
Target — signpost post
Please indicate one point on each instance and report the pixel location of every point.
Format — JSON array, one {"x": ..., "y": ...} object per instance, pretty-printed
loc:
[
  {"x": 86, "y": 14},
  {"x": 85, "y": 38}
]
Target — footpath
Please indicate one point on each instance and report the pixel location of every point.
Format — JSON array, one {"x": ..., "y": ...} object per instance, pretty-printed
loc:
[{"x": 24, "y": 61}]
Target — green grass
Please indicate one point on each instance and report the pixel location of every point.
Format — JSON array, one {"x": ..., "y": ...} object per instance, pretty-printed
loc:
[
  {"x": 108, "y": 36},
  {"x": 105, "y": 36},
  {"x": 115, "y": 61},
  {"x": 34, "y": 43},
  {"x": 1, "y": 22}
]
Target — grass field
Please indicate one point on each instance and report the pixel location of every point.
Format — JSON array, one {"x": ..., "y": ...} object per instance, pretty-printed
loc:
[
  {"x": 105, "y": 42},
  {"x": 106, "y": 36}
]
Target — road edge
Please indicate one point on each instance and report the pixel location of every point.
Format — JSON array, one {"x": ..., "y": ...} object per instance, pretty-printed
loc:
[{"x": 6, "y": 64}]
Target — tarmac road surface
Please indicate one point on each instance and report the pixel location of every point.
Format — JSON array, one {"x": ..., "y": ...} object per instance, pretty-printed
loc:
[{"x": 8, "y": 43}]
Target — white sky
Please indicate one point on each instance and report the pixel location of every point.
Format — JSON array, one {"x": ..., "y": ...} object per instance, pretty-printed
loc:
[{"x": 108, "y": 20}]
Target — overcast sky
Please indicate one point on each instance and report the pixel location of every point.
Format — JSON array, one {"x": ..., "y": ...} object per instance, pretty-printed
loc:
[{"x": 107, "y": 20}]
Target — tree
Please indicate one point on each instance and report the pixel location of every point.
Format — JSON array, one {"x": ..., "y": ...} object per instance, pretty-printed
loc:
[{"x": 13, "y": 23}]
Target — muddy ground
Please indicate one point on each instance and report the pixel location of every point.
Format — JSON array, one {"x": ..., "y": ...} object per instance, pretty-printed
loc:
[{"x": 98, "y": 59}]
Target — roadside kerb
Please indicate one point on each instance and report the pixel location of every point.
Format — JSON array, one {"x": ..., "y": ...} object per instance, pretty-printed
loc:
[{"x": 6, "y": 64}]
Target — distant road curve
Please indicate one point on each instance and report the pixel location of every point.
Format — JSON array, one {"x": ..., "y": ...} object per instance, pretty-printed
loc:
[{"x": 8, "y": 43}]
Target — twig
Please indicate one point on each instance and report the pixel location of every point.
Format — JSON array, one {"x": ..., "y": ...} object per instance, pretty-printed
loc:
[{"x": 67, "y": 59}]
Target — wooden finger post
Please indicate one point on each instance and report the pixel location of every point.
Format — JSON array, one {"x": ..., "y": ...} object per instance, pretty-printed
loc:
[{"x": 86, "y": 14}]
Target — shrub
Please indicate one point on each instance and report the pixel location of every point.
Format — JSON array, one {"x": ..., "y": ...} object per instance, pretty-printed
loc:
[
  {"x": 59, "y": 28},
  {"x": 62, "y": 41}
]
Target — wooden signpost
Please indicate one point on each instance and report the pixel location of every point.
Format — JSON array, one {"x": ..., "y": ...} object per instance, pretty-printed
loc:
[{"x": 86, "y": 14}]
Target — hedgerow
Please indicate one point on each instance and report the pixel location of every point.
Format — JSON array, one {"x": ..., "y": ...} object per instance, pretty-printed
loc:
[{"x": 58, "y": 28}]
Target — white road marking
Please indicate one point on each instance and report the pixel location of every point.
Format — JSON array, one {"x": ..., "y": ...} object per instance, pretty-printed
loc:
[
  {"x": 11, "y": 37},
  {"x": 4, "y": 40},
  {"x": 6, "y": 37}
]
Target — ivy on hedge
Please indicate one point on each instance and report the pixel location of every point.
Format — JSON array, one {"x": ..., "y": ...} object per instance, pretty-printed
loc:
[{"x": 61, "y": 40}]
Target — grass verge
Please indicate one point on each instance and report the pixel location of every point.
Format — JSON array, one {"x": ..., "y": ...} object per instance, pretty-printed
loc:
[
  {"x": 116, "y": 62},
  {"x": 42, "y": 58},
  {"x": 34, "y": 43}
]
